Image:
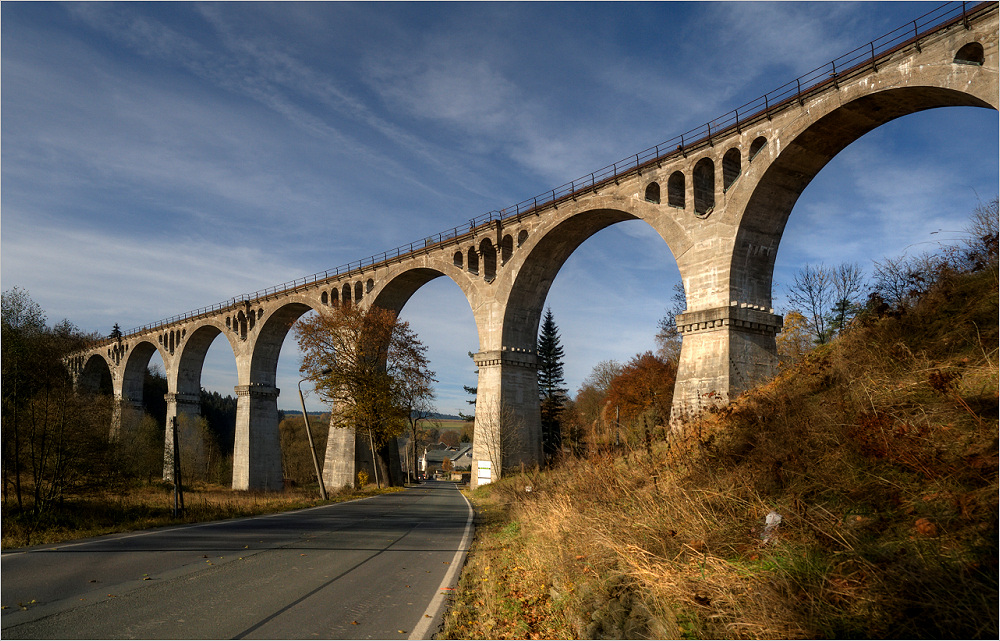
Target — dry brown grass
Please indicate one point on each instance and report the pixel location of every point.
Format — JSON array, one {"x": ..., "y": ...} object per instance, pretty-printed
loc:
[
  {"x": 880, "y": 453},
  {"x": 151, "y": 506}
]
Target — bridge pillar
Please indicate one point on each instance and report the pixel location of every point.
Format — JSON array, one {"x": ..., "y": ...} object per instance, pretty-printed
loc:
[
  {"x": 178, "y": 405},
  {"x": 257, "y": 452},
  {"x": 508, "y": 420},
  {"x": 341, "y": 449},
  {"x": 725, "y": 351}
]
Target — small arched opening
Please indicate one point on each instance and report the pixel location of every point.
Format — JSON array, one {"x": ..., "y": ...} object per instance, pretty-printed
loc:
[
  {"x": 334, "y": 297},
  {"x": 324, "y": 298},
  {"x": 730, "y": 168},
  {"x": 457, "y": 259},
  {"x": 241, "y": 325},
  {"x": 653, "y": 192},
  {"x": 756, "y": 146},
  {"x": 704, "y": 186},
  {"x": 521, "y": 237},
  {"x": 473, "y": 260},
  {"x": 489, "y": 259},
  {"x": 506, "y": 248},
  {"x": 675, "y": 190},
  {"x": 970, "y": 54},
  {"x": 359, "y": 291},
  {"x": 346, "y": 294}
]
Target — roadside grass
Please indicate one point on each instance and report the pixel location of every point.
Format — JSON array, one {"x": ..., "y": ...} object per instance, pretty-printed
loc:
[
  {"x": 151, "y": 506},
  {"x": 879, "y": 452}
]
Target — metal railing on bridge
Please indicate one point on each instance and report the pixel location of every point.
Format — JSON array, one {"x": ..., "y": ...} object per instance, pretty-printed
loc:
[{"x": 851, "y": 63}]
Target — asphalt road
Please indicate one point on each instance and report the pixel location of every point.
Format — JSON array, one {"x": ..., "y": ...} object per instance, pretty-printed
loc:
[{"x": 380, "y": 568}]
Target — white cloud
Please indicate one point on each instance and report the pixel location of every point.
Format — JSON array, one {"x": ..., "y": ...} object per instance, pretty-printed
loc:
[{"x": 97, "y": 278}]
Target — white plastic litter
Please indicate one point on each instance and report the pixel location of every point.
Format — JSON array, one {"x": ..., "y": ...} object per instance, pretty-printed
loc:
[{"x": 771, "y": 523}]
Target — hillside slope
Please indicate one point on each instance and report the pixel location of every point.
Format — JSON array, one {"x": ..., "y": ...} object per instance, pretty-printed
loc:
[{"x": 879, "y": 452}]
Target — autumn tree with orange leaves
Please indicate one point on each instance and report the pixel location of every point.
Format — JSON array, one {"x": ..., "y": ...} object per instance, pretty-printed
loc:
[{"x": 638, "y": 400}]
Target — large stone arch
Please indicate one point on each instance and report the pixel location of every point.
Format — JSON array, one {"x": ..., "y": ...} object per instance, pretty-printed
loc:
[
  {"x": 270, "y": 338},
  {"x": 134, "y": 372},
  {"x": 547, "y": 250},
  {"x": 395, "y": 289},
  {"x": 801, "y": 158},
  {"x": 546, "y": 253},
  {"x": 184, "y": 383},
  {"x": 95, "y": 376},
  {"x": 187, "y": 373},
  {"x": 508, "y": 384}
]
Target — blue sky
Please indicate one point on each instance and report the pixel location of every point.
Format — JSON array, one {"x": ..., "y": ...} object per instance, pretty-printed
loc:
[{"x": 160, "y": 157}]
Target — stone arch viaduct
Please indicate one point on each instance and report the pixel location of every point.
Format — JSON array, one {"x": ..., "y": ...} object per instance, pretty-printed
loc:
[{"x": 718, "y": 196}]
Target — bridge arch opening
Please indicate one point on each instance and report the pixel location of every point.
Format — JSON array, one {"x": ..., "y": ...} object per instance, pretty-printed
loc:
[
  {"x": 95, "y": 377},
  {"x": 756, "y": 146},
  {"x": 617, "y": 252},
  {"x": 439, "y": 311},
  {"x": 143, "y": 389},
  {"x": 206, "y": 381},
  {"x": 802, "y": 159},
  {"x": 134, "y": 374},
  {"x": 346, "y": 294},
  {"x": 550, "y": 254},
  {"x": 270, "y": 382}
]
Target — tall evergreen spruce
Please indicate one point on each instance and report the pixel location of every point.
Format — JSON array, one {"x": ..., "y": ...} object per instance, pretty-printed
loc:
[{"x": 551, "y": 392}]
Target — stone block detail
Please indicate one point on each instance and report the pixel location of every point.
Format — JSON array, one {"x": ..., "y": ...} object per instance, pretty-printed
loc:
[
  {"x": 257, "y": 390},
  {"x": 741, "y": 316},
  {"x": 506, "y": 356}
]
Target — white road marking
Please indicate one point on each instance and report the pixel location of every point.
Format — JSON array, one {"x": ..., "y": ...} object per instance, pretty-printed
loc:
[{"x": 437, "y": 603}]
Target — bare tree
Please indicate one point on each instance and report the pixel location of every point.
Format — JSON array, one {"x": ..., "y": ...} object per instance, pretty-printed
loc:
[
  {"x": 848, "y": 281},
  {"x": 603, "y": 374},
  {"x": 499, "y": 436},
  {"x": 982, "y": 237},
  {"x": 811, "y": 292},
  {"x": 900, "y": 281},
  {"x": 892, "y": 280}
]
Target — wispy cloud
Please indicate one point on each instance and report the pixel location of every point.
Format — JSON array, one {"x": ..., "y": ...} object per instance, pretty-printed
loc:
[{"x": 93, "y": 277}]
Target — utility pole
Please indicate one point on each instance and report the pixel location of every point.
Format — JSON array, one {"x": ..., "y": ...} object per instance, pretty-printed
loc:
[
  {"x": 312, "y": 448},
  {"x": 178, "y": 487}
]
